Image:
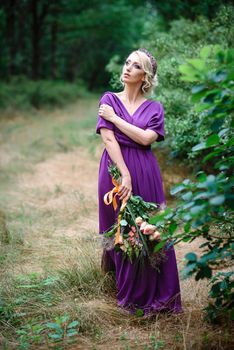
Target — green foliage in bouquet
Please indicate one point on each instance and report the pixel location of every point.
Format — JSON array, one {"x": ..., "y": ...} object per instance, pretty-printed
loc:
[{"x": 132, "y": 233}]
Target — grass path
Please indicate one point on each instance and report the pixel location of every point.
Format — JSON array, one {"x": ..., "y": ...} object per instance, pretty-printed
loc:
[{"x": 49, "y": 169}]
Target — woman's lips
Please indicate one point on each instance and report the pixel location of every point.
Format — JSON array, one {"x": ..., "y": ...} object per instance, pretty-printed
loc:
[{"x": 126, "y": 74}]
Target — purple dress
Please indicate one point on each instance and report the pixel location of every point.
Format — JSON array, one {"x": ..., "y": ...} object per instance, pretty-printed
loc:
[{"x": 145, "y": 288}]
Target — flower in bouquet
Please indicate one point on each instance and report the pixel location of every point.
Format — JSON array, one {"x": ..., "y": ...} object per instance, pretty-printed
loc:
[{"x": 132, "y": 234}]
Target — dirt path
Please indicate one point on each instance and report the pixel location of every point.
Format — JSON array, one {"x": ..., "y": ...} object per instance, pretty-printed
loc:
[{"x": 56, "y": 201}]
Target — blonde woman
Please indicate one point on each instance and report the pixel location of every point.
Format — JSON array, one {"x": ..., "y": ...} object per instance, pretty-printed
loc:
[{"x": 129, "y": 123}]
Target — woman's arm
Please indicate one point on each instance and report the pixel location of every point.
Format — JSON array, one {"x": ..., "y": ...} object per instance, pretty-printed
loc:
[
  {"x": 115, "y": 154},
  {"x": 143, "y": 137}
]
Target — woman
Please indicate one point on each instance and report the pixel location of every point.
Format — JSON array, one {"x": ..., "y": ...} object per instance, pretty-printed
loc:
[{"x": 129, "y": 123}]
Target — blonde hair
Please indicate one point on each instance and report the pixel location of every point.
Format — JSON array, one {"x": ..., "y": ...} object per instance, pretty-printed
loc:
[{"x": 151, "y": 79}]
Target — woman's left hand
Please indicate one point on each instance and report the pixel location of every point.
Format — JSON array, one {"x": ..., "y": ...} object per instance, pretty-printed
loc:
[{"x": 107, "y": 112}]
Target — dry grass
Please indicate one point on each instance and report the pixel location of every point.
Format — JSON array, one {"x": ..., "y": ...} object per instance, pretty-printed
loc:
[{"x": 49, "y": 229}]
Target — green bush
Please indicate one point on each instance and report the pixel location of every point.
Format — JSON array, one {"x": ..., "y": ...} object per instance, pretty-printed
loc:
[
  {"x": 205, "y": 206},
  {"x": 21, "y": 93},
  {"x": 184, "y": 39}
]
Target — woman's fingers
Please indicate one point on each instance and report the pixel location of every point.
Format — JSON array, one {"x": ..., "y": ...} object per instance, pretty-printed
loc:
[
  {"x": 122, "y": 189},
  {"x": 125, "y": 193}
]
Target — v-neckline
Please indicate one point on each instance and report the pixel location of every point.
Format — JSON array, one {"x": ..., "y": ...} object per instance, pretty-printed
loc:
[{"x": 131, "y": 115}]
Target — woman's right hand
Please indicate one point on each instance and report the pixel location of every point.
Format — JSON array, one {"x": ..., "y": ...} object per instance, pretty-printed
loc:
[{"x": 125, "y": 190}]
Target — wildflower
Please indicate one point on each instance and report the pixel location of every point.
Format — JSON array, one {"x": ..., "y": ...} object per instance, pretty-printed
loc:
[
  {"x": 139, "y": 220},
  {"x": 144, "y": 223},
  {"x": 156, "y": 236},
  {"x": 149, "y": 229}
]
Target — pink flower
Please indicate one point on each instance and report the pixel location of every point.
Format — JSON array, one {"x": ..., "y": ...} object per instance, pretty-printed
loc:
[
  {"x": 131, "y": 240},
  {"x": 144, "y": 223},
  {"x": 133, "y": 229},
  {"x": 131, "y": 234},
  {"x": 156, "y": 236},
  {"x": 149, "y": 229}
]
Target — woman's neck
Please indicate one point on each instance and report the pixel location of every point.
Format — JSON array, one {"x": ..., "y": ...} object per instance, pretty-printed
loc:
[{"x": 132, "y": 94}]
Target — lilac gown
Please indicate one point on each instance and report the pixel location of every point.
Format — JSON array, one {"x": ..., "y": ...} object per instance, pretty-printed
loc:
[{"x": 144, "y": 288}]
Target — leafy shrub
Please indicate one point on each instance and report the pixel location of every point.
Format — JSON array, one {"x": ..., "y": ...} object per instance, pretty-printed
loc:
[
  {"x": 21, "y": 93},
  {"x": 184, "y": 39},
  {"x": 206, "y": 205}
]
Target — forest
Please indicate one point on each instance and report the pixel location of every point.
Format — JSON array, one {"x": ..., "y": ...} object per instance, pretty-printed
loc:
[{"x": 57, "y": 59}]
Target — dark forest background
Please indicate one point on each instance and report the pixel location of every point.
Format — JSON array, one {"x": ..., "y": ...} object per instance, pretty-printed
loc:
[{"x": 74, "y": 40}]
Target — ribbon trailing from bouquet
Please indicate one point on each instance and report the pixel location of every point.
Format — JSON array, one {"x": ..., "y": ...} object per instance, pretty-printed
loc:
[{"x": 110, "y": 197}]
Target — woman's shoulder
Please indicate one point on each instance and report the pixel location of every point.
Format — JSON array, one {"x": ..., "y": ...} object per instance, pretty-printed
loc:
[
  {"x": 156, "y": 104},
  {"x": 107, "y": 93},
  {"x": 106, "y": 96}
]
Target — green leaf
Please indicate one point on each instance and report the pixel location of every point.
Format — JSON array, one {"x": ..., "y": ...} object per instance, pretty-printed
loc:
[
  {"x": 217, "y": 200},
  {"x": 177, "y": 189},
  {"x": 198, "y": 88},
  {"x": 202, "y": 107},
  {"x": 71, "y": 333},
  {"x": 139, "y": 312},
  {"x": 197, "y": 63},
  {"x": 159, "y": 245},
  {"x": 187, "y": 196},
  {"x": 223, "y": 132},
  {"x": 201, "y": 176},
  {"x": 187, "y": 217},
  {"x": 64, "y": 318},
  {"x": 196, "y": 209},
  {"x": 212, "y": 140},
  {"x": 189, "y": 269},
  {"x": 188, "y": 73},
  {"x": 205, "y": 52},
  {"x": 172, "y": 227},
  {"x": 198, "y": 96},
  {"x": 55, "y": 336},
  {"x": 53, "y": 326},
  {"x": 199, "y": 146},
  {"x": 160, "y": 217},
  {"x": 187, "y": 227},
  {"x": 73, "y": 324},
  {"x": 191, "y": 257}
]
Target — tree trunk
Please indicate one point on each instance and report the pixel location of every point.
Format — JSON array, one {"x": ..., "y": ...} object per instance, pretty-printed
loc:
[
  {"x": 11, "y": 15},
  {"x": 37, "y": 25},
  {"x": 54, "y": 32}
]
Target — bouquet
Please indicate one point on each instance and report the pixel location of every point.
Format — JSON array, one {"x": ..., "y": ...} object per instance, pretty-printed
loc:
[{"x": 132, "y": 233}]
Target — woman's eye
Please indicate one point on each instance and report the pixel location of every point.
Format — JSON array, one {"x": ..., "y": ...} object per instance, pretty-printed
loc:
[{"x": 135, "y": 65}]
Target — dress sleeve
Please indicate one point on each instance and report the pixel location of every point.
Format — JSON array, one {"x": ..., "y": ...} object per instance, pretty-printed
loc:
[
  {"x": 156, "y": 122},
  {"x": 103, "y": 123}
]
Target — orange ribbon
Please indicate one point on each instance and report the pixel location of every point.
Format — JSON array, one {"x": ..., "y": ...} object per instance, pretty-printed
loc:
[{"x": 109, "y": 198}]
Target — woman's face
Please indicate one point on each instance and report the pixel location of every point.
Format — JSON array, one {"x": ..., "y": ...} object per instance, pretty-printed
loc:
[{"x": 132, "y": 70}]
